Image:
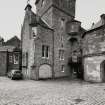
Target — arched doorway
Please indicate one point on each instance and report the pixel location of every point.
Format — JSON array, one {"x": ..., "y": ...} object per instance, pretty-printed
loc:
[
  {"x": 45, "y": 71},
  {"x": 102, "y": 67}
]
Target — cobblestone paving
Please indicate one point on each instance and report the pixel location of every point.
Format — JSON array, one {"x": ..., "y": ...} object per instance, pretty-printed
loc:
[{"x": 51, "y": 92}]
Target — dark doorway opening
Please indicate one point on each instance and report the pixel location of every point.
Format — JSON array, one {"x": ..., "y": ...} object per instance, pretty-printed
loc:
[
  {"x": 76, "y": 68},
  {"x": 75, "y": 61},
  {"x": 103, "y": 70}
]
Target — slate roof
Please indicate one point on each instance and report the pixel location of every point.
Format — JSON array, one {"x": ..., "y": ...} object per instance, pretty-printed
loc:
[
  {"x": 37, "y": 20},
  {"x": 98, "y": 24},
  {"x": 10, "y": 47},
  {"x": 7, "y": 48},
  {"x": 12, "y": 39}
]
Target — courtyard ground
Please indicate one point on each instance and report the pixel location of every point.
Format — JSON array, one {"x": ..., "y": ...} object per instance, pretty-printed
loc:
[{"x": 51, "y": 92}]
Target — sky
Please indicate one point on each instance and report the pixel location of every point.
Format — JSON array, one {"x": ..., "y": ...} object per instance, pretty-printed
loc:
[{"x": 12, "y": 14}]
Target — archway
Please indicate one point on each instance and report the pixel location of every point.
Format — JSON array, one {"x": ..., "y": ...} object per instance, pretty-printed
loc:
[
  {"x": 102, "y": 67},
  {"x": 45, "y": 71}
]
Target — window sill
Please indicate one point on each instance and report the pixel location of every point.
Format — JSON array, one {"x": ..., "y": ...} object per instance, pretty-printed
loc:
[
  {"x": 45, "y": 58},
  {"x": 62, "y": 59}
]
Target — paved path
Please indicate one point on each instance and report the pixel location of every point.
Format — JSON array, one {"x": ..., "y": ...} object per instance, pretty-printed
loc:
[{"x": 50, "y": 92}]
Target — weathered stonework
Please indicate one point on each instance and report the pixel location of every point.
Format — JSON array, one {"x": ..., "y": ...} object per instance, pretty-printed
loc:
[
  {"x": 10, "y": 55},
  {"x": 3, "y": 63},
  {"x": 92, "y": 68},
  {"x": 50, "y": 21},
  {"x": 94, "y": 54}
]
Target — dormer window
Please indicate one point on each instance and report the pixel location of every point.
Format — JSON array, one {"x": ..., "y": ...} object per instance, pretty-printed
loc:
[{"x": 34, "y": 32}]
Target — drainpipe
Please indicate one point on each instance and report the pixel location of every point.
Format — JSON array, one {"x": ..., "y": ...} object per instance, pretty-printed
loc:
[
  {"x": 7, "y": 61},
  {"x": 53, "y": 55}
]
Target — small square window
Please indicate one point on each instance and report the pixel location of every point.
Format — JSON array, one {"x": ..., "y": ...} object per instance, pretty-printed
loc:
[
  {"x": 10, "y": 58},
  {"x": 34, "y": 32},
  {"x": 61, "y": 54},
  {"x": 16, "y": 58},
  {"x": 62, "y": 39},
  {"x": 63, "y": 68}
]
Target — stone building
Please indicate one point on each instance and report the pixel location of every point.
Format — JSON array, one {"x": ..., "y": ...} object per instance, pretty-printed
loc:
[
  {"x": 51, "y": 40},
  {"x": 10, "y": 55},
  {"x": 94, "y": 52}
]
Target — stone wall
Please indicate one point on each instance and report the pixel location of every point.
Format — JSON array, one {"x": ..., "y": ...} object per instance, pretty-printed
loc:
[
  {"x": 92, "y": 68},
  {"x": 94, "y": 54},
  {"x": 3, "y": 63},
  {"x": 94, "y": 42},
  {"x": 61, "y": 41},
  {"x": 26, "y": 44},
  {"x": 41, "y": 9},
  {"x": 45, "y": 37},
  {"x": 52, "y": 15},
  {"x": 67, "y": 6}
]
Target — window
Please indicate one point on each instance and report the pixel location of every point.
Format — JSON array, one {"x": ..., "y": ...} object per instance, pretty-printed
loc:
[
  {"x": 16, "y": 58},
  {"x": 62, "y": 68},
  {"x": 73, "y": 27},
  {"x": 62, "y": 38},
  {"x": 25, "y": 59},
  {"x": 62, "y": 45},
  {"x": 74, "y": 58},
  {"x": 45, "y": 51},
  {"x": 62, "y": 41},
  {"x": 62, "y": 22},
  {"x": 10, "y": 58},
  {"x": 34, "y": 32},
  {"x": 61, "y": 54}
]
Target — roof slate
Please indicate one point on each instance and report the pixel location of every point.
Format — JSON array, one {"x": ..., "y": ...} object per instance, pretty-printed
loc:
[
  {"x": 7, "y": 48},
  {"x": 37, "y": 20}
]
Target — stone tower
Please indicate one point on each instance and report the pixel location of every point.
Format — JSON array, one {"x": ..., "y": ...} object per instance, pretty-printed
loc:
[
  {"x": 56, "y": 14},
  {"x": 54, "y": 10}
]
